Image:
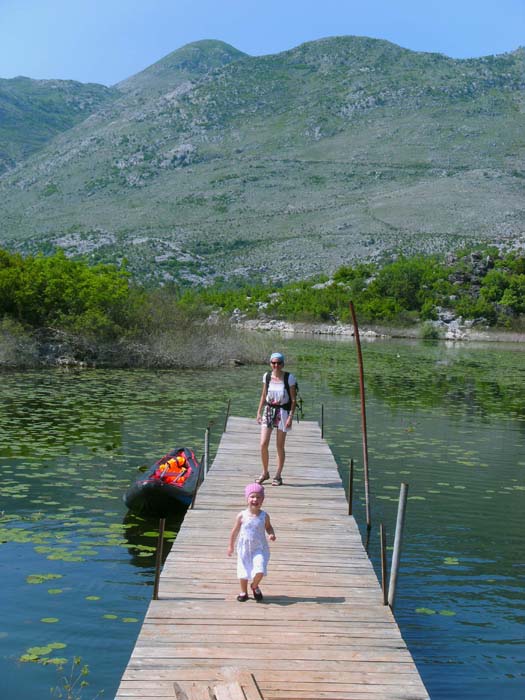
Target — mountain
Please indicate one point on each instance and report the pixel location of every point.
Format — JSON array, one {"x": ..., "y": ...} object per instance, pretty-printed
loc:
[
  {"x": 212, "y": 162},
  {"x": 32, "y": 112},
  {"x": 189, "y": 63}
]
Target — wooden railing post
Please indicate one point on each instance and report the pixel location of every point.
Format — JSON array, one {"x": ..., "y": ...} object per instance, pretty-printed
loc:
[
  {"x": 206, "y": 450},
  {"x": 398, "y": 538},
  {"x": 350, "y": 486},
  {"x": 227, "y": 414},
  {"x": 322, "y": 420},
  {"x": 384, "y": 582},
  {"x": 158, "y": 560},
  {"x": 199, "y": 482}
]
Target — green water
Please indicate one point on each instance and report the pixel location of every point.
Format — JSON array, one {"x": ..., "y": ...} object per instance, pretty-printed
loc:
[{"x": 449, "y": 420}]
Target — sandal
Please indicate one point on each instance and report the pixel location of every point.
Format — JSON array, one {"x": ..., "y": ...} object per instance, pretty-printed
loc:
[
  {"x": 242, "y": 597},
  {"x": 277, "y": 481},
  {"x": 257, "y": 594},
  {"x": 261, "y": 479}
]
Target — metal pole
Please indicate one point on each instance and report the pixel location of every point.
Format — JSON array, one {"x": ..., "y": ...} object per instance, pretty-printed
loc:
[
  {"x": 398, "y": 538},
  {"x": 322, "y": 421},
  {"x": 384, "y": 582},
  {"x": 350, "y": 486},
  {"x": 158, "y": 562},
  {"x": 227, "y": 414},
  {"x": 206, "y": 450},
  {"x": 363, "y": 416}
]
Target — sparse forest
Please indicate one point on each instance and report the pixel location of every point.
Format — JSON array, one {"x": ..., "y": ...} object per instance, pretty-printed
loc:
[{"x": 53, "y": 307}]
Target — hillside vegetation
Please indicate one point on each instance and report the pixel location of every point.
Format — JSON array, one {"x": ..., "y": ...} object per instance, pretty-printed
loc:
[
  {"x": 484, "y": 287},
  {"x": 54, "y": 310},
  {"x": 32, "y": 112},
  {"x": 213, "y": 165},
  {"x": 53, "y": 306}
]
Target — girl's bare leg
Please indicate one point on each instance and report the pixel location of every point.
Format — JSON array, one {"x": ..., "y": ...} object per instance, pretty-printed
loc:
[
  {"x": 281, "y": 455},
  {"x": 257, "y": 580},
  {"x": 244, "y": 585}
]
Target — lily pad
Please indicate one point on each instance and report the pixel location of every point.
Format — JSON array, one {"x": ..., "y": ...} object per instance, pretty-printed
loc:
[
  {"x": 41, "y": 578},
  {"x": 55, "y": 661}
]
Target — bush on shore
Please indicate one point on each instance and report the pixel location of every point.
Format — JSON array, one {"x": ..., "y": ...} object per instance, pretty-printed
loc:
[
  {"x": 56, "y": 310},
  {"x": 484, "y": 286}
]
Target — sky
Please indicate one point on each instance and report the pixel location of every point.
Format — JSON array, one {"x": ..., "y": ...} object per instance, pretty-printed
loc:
[{"x": 105, "y": 41}]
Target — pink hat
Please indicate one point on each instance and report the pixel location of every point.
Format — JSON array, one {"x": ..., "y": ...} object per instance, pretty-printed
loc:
[{"x": 253, "y": 488}]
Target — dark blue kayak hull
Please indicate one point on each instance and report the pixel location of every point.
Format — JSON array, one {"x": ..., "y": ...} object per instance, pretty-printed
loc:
[{"x": 151, "y": 496}]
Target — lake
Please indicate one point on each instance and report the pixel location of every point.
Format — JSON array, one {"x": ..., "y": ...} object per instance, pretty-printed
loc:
[{"x": 448, "y": 419}]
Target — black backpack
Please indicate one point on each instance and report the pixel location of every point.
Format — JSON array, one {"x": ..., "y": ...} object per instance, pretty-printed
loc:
[{"x": 288, "y": 405}]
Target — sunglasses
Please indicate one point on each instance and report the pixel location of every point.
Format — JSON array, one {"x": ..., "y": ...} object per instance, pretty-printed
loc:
[{"x": 276, "y": 362}]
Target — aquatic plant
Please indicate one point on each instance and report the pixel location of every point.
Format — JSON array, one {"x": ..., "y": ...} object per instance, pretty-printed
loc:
[{"x": 73, "y": 683}]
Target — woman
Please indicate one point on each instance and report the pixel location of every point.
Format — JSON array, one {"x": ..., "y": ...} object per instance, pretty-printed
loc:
[{"x": 276, "y": 409}]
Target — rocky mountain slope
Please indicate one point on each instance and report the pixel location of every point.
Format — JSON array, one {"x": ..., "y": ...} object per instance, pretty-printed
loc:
[
  {"x": 32, "y": 112},
  {"x": 212, "y": 162}
]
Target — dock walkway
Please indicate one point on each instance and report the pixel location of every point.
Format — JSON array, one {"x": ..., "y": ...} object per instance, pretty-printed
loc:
[{"x": 322, "y": 631}]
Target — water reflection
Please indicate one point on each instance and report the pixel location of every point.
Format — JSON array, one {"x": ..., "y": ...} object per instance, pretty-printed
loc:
[{"x": 142, "y": 537}]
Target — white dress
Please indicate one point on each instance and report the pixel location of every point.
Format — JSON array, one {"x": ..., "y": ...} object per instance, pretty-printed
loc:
[{"x": 253, "y": 552}]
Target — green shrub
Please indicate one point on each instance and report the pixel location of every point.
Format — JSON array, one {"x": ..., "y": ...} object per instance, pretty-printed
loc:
[{"x": 429, "y": 332}]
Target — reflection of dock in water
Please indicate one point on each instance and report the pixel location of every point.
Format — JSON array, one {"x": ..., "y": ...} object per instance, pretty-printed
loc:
[
  {"x": 322, "y": 630},
  {"x": 142, "y": 535}
]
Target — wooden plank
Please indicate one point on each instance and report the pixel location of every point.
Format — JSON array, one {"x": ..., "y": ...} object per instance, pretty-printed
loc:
[
  {"x": 250, "y": 686},
  {"x": 197, "y": 691},
  {"x": 228, "y": 691},
  {"x": 321, "y": 631}
]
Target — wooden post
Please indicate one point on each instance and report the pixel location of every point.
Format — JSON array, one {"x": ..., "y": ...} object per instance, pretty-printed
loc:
[
  {"x": 158, "y": 561},
  {"x": 398, "y": 538},
  {"x": 384, "y": 582},
  {"x": 206, "y": 451},
  {"x": 367, "y": 541},
  {"x": 227, "y": 414},
  {"x": 363, "y": 416},
  {"x": 322, "y": 420},
  {"x": 350, "y": 486},
  {"x": 200, "y": 479}
]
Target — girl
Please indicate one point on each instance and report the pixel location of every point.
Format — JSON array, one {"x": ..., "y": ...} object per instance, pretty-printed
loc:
[
  {"x": 276, "y": 409},
  {"x": 253, "y": 552}
]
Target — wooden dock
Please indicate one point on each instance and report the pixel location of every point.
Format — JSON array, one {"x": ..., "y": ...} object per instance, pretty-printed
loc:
[{"x": 322, "y": 631}]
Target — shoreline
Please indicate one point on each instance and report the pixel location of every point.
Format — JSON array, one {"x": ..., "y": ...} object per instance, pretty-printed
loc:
[
  {"x": 28, "y": 353},
  {"x": 453, "y": 331}
]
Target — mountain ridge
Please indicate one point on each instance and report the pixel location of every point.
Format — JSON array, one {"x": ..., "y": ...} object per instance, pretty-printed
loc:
[{"x": 339, "y": 149}]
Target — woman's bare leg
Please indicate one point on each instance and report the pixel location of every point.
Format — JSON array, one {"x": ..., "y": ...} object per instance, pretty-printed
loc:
[
  {"x": 281, "y": 454},
  {"x": 266, "y": 434}
]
